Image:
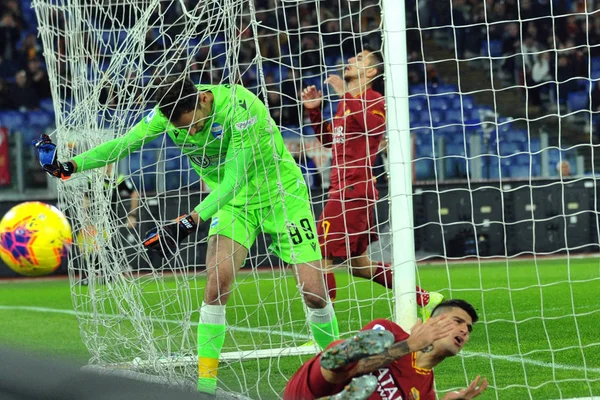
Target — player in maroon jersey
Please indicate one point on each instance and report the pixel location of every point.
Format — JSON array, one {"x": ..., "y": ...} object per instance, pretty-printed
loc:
[
  {"x": 390, "y": 364},
  {"x": 346, "y": 226}
]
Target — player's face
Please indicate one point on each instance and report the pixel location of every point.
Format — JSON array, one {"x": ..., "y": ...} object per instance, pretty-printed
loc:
[
  {"x": 358, "y": 66},
  {"x": 194, "y": 121},
  {"x": 463, "y": 325}
]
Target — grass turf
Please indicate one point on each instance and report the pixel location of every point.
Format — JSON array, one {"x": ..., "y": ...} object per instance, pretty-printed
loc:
[{"x": 537, "y": 337}]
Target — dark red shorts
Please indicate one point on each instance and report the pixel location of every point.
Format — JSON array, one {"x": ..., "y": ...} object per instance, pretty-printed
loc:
[{"x": 346, "y": 227}]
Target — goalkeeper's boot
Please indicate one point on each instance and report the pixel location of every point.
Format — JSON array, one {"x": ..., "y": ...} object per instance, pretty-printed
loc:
[
  {"x": 363, "y": 344},
  {"x": 435, "y": 299},
  {"x": 360, "y": 388}
]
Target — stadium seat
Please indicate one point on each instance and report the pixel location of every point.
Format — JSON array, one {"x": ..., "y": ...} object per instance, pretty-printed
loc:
[
  {"x": 455, "y": 167},
  {"x": 47, "y": 104},
  {"x": 416, "y": 103},
  {"x": 437, "y": 118},
  {"x": 464, "y": 101},
  {"x": 40, "y": 118},
  {"x": 448, "y": 88},
  {"x": 454, "y": 115},
  {"x": 423, "y": 150},
  {"x": 416, "y": 89},
  {"x": 492, "y": 48},
  {"x": 424, "y": 169},
  {"x": 508, "y": 148},
  {"x": 578, "y": 101},
  {"x": 437, "y": 103},
  {"x": 175, "y": 179},
  {"x": 519, "y": 171},
  {"x": 12, "y": 120},
  {"x": 515, "y": 135}
]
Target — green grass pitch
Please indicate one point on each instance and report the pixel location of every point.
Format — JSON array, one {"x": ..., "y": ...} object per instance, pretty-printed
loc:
[{"x": 538, "y": 336}]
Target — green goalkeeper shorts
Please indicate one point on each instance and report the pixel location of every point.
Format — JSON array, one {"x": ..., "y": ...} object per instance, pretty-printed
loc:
[{"x": 289, "y": 222}]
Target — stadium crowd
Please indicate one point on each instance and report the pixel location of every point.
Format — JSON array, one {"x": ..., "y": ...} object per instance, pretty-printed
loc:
[{"x": 551, "y": 44}]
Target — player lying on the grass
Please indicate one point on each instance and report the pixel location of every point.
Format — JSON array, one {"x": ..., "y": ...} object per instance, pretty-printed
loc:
[
  {"x": 400, "y": 364},
  {"x": 235, "y": 146},
  {"x": 347, "y": 224}
]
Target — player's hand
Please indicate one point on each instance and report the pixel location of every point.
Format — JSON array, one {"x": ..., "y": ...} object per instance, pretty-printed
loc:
[
  {"x": 337, "y": 84},
  {"x": 49, "y": 161},
  {"x": 311, "y": 97},
  {"x": 422, "y": 335},
  {"x": 165, "y": 240},
  {"x": 474, "y": 390}
]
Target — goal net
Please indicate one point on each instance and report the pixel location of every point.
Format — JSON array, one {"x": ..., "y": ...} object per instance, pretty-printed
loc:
[
  {"x": 496, "y": 96},
  {"x": 137, "y": 311}
]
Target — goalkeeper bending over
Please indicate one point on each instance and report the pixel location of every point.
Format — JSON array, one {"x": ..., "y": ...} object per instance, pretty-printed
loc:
[
  {"x": 382, "y": 362},
  {"x": 234, "y": 145}
]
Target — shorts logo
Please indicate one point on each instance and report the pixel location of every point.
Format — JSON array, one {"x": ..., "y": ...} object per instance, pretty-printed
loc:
[
  {"x": 378, "y": 328},
  {"x": 216, "y": 130},
  {"x": 215, "y": 222},
  {"x": 240, "y": 126},
  {"x": 150, "y": 116}
]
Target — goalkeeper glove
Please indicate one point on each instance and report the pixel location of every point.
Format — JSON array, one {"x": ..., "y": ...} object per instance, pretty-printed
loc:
[
  {"x": 161, "y": 239},
  {"x": 48, "y": 159}
]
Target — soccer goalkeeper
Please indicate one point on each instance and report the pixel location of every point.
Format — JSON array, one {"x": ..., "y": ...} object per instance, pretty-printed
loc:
[{"x": 234, "y": 145}]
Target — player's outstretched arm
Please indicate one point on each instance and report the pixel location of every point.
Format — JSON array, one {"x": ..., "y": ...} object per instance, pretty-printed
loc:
[
  {"x": 107, "y": 153},
  {"x": 421, "y": 337},
  {"x": 474, "y": 390}
]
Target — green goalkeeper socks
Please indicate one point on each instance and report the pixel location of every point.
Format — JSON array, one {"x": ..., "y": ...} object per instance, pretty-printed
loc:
[
  {"x": 211, "y": 337},
  {"x": 324, "y": 326}
]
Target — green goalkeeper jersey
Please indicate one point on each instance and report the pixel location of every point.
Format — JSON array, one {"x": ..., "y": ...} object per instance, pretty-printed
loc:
[{"x": 240, "y": 153}]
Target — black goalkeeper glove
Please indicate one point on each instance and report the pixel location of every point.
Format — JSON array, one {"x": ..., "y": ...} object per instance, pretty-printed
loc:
[
  {"x": 48, "y": 159},
  {"x": 164, "y": 240}
]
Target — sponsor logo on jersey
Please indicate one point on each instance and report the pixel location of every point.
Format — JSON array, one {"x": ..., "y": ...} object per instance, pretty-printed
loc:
[
  {"x": 415, "y": 394},
  {"x": 338, "y": 135},
  {"x": 216, "y": 130},
  {"x": 150, "y": 115},
  {"x": 214, "y": 222},
  {"x": 205, "y": 161},
  {"x": 386, "y": 386},
  {"x": 240, "y": 126}
]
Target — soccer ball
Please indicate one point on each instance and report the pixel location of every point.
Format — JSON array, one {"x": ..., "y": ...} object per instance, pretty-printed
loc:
[{"x": 34, "y": 238}]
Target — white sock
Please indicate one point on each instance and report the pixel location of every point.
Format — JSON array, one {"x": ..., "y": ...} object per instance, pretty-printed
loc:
[
  {"x": 212, "y": 314},
  {"x": 321, "y": 315}
]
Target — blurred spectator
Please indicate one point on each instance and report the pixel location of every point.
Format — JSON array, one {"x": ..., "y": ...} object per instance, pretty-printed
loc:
[
  {"x": 38, "y": 78},
  {"x": 564, "y": 77},
  {"x": 8, "y": 68},
  {"x": 595, "y": 106},
  {"x": 21, "y": 94},
  {"x": 9, "y": 36},
  {"x": 563, "y": 168},
  {"x": 540, "y": 73},
  {"x": 3, "y": 94},
  {"x": 29, "y": 49}
]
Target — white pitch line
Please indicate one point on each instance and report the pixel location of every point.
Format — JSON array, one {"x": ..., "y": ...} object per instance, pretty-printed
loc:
[
  {"x": 159, "y": 320},
  {"x": 513, "y": 359},
  {"x": 537, "y": 363}
]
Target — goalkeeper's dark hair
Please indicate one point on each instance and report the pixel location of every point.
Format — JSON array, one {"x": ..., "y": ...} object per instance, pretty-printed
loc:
[
  {"x": 457, "y": 303},
  {"x": 176, "y": 96},
  {"x": 376, "y": 61}
]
